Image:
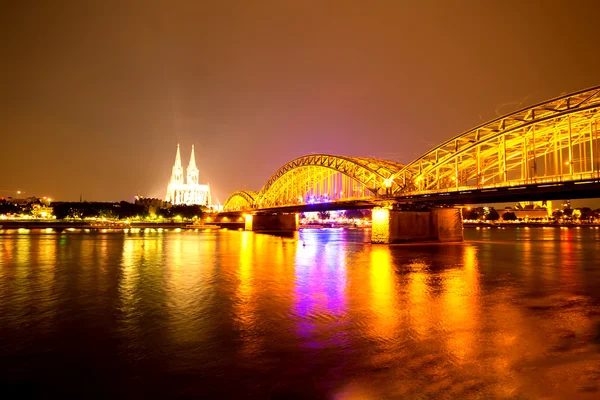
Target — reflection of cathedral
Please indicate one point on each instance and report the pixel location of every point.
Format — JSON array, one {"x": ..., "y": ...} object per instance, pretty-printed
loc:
[{"x": 190, "y": 192}]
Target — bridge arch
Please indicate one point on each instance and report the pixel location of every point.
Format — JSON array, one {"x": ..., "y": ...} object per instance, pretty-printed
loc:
[
  {"x": 554, "y": 141},
  {"x": 240, "y": 200},
  {"x": 328, "y": 177},
  {"x": 551, "y": 142}
]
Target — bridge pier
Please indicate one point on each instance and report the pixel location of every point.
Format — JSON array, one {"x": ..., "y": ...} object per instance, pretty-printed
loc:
[
  {"x": 272, "y": 222},
  {"x": 437, "y": 224}
]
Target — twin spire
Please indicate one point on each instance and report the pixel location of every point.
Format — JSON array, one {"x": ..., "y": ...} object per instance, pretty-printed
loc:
[
  {"x": 192, "y": 170},
  {"x": 185, "y": 188},
  {"x": 192, "y": 163}
]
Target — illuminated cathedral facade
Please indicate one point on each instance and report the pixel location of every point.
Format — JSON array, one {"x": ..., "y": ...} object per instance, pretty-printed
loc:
[{"x": 188, "y": 192}]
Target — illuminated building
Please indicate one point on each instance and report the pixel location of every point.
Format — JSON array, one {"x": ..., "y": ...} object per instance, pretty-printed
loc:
[
  {"x": 538, "y": 205},
  {"x": 190, "y": 191}
]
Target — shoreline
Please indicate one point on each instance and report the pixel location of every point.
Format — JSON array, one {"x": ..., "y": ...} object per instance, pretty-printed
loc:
[
  {"x": 86, "y": 225},
  {"x": 525, "y": 224},
  {"x": 63, "y": 225}
]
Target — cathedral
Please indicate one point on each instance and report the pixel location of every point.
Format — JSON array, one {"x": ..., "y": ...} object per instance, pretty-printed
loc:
[{"x": 190, "y": 192}]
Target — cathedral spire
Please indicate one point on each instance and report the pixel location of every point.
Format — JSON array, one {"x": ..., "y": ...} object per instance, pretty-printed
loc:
[
  {"x": 177, "y": 158},
  {"x": 192, "y": 164},
  {"x": 177, "y": 174},
  {"x": 192, "y": 170}
]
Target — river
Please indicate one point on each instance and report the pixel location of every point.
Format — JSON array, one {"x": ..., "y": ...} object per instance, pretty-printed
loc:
[{"x": 509, "y": 313}]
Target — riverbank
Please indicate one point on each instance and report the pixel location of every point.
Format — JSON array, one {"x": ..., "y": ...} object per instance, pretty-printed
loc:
[
  {"x": 60, "y": 225},
  {"x": 524, "y": 224},
  {"x": 86, "y": 225}
]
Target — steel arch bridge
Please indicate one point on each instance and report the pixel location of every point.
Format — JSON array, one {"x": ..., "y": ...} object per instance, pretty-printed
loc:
[
  {"x": 318, "y": 178},
  {"x": 552, "y": 142},
  {"x": 241, "y": 200}
]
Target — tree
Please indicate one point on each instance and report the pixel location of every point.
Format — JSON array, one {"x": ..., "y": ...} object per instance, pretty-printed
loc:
[
  {"x": 493, "y": 215},
  {"x": 9, "y": 208},
  {"x": 323, "y": 215},
  {"x": 586, "y": 214},
  {"x": 557, "y": 214},
  {"x": 185, "y": 211},
  {"x": 509, "y": 216},
  {"x": 128, "y": 210},
  {"x": 472, "y": 214},
  {"x": 107, "y": 213},
  {"x": 354, "y": 214},
  {"x": 62, "y": 210}
]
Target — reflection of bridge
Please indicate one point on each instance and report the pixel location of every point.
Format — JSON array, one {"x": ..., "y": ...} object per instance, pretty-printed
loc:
[{"x": 546, "y": 151}]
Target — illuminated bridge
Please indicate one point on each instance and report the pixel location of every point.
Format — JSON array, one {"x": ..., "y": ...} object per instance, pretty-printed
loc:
[{"x": 547, "y": 151}]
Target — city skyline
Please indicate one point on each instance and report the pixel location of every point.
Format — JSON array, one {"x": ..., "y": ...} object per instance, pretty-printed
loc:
[{"x": 99, "y": 120}]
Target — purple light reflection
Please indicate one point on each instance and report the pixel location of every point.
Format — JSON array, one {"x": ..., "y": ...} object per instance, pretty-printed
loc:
[{"x": 320, "y": 291}]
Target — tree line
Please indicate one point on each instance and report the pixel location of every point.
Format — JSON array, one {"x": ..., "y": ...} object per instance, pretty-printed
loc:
[{"x": 120, "y": 210}]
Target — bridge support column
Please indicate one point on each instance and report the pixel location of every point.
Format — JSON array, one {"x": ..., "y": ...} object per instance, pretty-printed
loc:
[
  {"x": 437, "y": 224},
  {"x": 248, "y": 222},
  {"x": 272, "y": 222}
]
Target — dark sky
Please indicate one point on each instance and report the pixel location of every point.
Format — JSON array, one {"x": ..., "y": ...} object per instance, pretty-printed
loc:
[{"x": 95, "y": 95}]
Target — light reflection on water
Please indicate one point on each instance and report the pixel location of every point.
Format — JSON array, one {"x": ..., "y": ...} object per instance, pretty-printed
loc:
[{"x": 320, "y": 314}]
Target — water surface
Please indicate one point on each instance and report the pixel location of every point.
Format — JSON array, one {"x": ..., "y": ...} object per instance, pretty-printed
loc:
[{"x": 509, "y": 313}]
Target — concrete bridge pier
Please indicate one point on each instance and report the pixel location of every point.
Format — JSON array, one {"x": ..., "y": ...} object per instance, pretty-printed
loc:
[
  {"x": 281, "y": 222},
  {"x": 396, "y": 226}
]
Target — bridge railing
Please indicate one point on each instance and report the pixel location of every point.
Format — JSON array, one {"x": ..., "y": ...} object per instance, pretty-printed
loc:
[{"x": 511, "y": 183}]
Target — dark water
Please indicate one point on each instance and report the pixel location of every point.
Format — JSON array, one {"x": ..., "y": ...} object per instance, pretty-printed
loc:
[{"x": 510, "y": 313}]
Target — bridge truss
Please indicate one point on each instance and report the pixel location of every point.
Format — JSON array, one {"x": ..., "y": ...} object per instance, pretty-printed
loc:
[
  {"x": 241, "y": 200},
  {"x": 552, "y": 142},
  {"x": 555, "y": 141},
  {"x": 319, "y": 178}
]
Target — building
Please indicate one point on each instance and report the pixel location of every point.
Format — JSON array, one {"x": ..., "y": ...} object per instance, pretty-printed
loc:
[
  {"x": 545, "y": 205},
  {"x": 528, "y": 212},
  {"x": 42, "y": 212},
  {"x": 151, "y": 205},
  {"x": 188, "y": 192}
]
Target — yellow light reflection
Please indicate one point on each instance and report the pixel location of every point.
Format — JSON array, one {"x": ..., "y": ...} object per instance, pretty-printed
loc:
[
  {"x": 460, "y": 306},
  {"x": 418, "y": 309},
  {"x": 383, "y": 293},
  {"x": 245, "y": 270},
  {"x": 245, "y": 308},
  {"x": 131, "y": 254}
]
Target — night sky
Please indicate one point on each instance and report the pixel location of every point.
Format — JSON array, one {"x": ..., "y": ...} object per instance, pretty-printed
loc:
[{"x": 95, "y": 95}]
